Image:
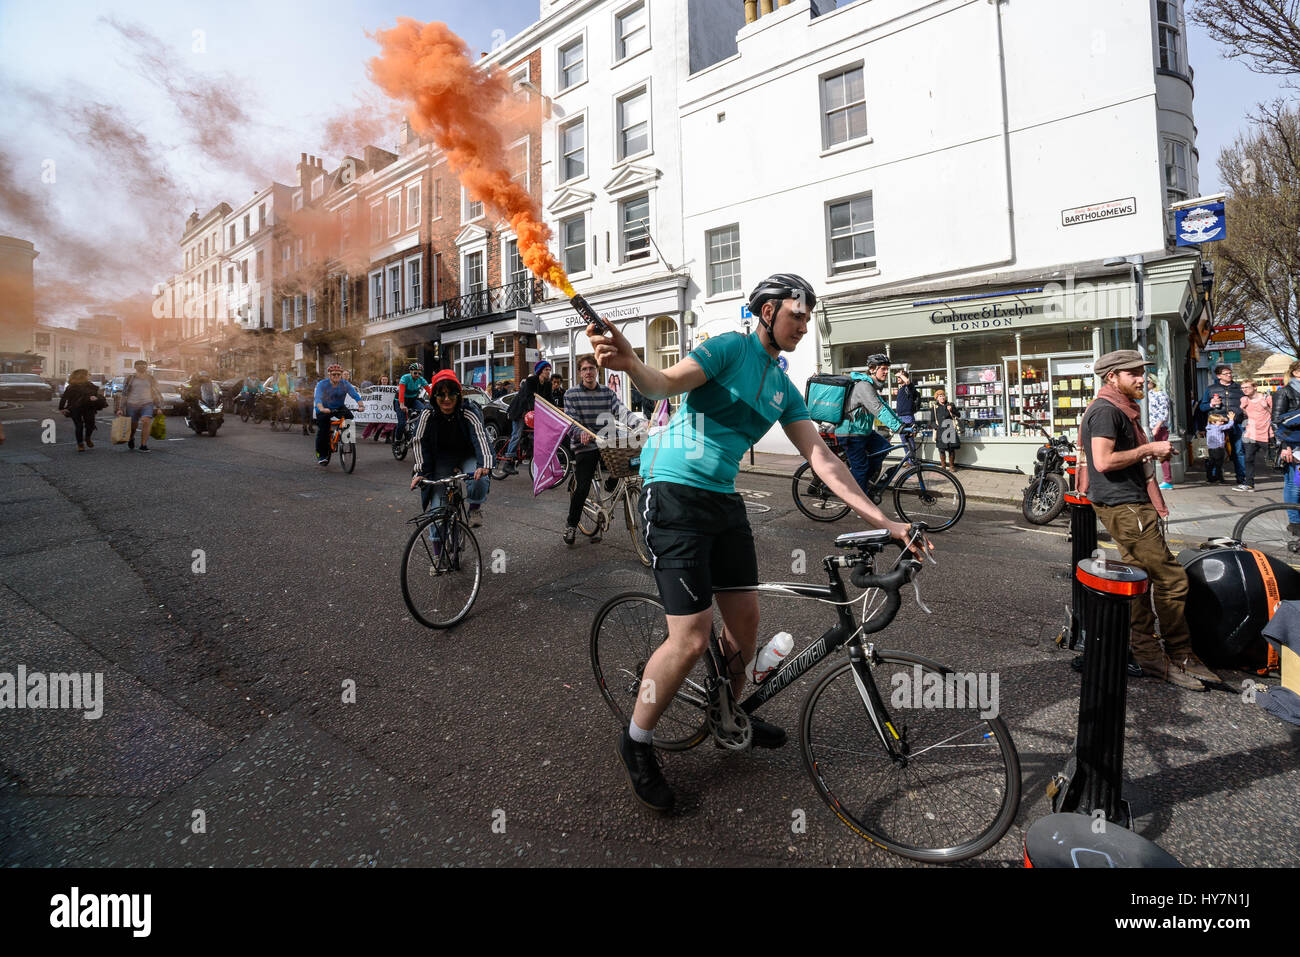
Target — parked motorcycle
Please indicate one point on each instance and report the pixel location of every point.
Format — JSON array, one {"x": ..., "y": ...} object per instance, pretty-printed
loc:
[
  {"x": 1044, "y": 497},
  {"x": 204, "y": 411}
]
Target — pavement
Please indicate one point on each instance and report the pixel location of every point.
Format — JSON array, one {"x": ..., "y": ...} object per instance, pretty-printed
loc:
[{"x": 268, "y": 699}]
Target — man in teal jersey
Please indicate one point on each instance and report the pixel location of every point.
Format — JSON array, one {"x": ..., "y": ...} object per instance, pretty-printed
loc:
[
  {"x": 410, "y": 388},
  {"x": 696, "y": 526}
]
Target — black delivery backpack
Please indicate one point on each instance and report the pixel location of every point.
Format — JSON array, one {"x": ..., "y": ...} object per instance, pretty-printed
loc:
[{"x": 1228, "y": 604}]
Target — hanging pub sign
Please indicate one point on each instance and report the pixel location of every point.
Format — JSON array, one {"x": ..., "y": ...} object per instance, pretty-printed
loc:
[{"x": 1200, "y": 223}]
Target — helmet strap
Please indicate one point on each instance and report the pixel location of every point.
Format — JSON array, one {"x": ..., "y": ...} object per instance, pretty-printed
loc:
[{"x": 767, "y": 324}]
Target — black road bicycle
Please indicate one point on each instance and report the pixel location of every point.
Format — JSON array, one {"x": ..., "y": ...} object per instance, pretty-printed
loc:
[
  {"x": 924, "y": 493},
  {"x": 937, "y": 784},
  {"x": 442, "y": 568}
]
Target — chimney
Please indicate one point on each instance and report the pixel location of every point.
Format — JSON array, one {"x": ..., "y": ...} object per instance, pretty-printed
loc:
[{"x": 751, "y": 11}]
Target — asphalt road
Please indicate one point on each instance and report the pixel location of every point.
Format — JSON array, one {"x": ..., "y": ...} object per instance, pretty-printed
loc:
[{"x": 489, "y": 744}]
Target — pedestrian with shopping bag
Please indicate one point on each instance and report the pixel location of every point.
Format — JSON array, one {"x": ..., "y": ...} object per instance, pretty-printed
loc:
[{"x": 139, "y": 400}]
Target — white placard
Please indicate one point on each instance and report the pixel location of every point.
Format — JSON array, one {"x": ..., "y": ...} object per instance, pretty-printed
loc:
[{"x": 379, "y": 405}]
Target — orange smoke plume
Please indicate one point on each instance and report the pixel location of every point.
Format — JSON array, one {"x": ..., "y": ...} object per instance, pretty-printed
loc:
[{"x": 468, "y": 111}]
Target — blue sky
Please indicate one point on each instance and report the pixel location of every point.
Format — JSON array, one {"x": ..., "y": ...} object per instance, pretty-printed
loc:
[{"x": 289, "y": 66}]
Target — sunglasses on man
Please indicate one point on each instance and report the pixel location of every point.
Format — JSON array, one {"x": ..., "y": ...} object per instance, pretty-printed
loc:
[{"x": 446, "y": 394}]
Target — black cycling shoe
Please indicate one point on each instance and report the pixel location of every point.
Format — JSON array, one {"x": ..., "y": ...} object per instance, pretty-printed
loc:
[
  {"x": 643, "y": 773},
  {"x": 766, "y": 735}
]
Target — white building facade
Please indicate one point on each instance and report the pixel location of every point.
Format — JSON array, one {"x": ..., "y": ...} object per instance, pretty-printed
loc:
[
  {"x": 611, "y": 162},
  {"x": 952, "y": 177}
]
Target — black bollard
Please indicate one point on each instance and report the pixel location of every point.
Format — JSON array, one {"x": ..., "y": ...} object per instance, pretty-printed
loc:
[
  {"x": 1083, "y": 542},
  {"x": 1092, "y": 778}
]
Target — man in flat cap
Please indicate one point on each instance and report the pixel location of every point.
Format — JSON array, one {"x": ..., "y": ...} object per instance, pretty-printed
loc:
[{"x": 1121, "y": 484}]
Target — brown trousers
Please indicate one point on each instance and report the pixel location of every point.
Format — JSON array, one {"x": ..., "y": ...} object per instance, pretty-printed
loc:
[{"x": 1136, "y": 530}]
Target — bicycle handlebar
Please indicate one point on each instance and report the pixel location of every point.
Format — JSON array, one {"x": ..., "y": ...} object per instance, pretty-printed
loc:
[
  {"x": 449, "y": 480},
  {"x": 891, "y": 584}
]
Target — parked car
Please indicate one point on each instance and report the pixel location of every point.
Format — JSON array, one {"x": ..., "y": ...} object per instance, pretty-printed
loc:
[
  {"x": 495, "y": 421},
  {"x": 16, "y": 386},
  {"x": 171, "y": 383},
  {"x": 114, "y": 387}
]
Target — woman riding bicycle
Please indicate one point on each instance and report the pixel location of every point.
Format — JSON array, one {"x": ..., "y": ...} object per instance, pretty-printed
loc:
[{"x": 449, "y": 438}]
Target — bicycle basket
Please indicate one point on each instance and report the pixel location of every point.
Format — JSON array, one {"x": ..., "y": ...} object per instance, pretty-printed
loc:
[{"x": 617, "y": 460}]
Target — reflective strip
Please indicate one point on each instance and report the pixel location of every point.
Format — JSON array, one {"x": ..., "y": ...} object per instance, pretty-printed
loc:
[{"x": 1112, "y": 587}]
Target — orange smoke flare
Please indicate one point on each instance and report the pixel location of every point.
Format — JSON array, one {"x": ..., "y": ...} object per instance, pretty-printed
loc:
[{"x": 468, "y": 111}]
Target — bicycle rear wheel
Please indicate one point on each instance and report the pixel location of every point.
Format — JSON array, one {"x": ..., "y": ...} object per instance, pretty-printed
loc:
[
  {"x": 499, "y": 459},
  {"x": 955, "y": 793},
  {"x": 634, "y": 526},
  {"x": 929, "y": 494},
  {"x": 284, "y": 418},
  {"x": 439, "y": 585},
  {"x": 1267, "y": 529},
  {"x": 814, "y": 498},
  {"x": 627, "y": 631}
]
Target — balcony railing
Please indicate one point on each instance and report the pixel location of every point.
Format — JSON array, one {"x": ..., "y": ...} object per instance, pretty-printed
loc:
[
  {"x": 397, "y": 313},
  {"x": 486, "y": 302}
]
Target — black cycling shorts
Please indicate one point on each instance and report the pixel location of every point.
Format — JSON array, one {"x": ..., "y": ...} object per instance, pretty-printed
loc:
[{"x": 699, "y": 540}]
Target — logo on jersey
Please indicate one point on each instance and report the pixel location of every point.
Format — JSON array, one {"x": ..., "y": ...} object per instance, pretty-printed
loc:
[{"x": 778, "y": 399}]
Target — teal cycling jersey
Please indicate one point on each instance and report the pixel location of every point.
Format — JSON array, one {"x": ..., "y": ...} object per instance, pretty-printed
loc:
[{"x": 745, "y": 394}]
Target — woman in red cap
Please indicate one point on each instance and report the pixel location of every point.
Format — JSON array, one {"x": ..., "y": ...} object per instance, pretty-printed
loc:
[{"x": 449, "y": 438}]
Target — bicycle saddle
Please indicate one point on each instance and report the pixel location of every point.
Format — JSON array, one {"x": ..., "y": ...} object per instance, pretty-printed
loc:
[{"x": 865, "y": 539}]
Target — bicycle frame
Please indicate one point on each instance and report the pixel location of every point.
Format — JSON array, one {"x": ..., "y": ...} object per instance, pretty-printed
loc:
[
  {"x": 886, "y": 478},
  {"x": 846, "y": 630},
  {"x": 339, "y": 425},
  {"x": 443, "y": 517}
]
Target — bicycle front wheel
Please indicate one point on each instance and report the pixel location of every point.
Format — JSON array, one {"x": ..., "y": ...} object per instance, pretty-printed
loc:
[
  {"x": 284, "y": 418},
  {"x": 1267, "y": 529},
  {"x": 814, "y": 497},
  {"x": 589, "y": 521},
  {"x": 347, "y": 454},
  {"x": 439, "y": 585},
  {"x": 628, "y": 629},
  {"x": 929, "y": 494},
  {"x": 955, "y": 790}
]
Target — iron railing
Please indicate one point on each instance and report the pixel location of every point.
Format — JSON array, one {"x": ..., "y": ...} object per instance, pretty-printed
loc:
[{"x": 485, "y": 302}]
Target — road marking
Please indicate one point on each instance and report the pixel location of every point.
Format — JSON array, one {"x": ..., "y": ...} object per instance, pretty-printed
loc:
[{"x": 20, "y": 421}]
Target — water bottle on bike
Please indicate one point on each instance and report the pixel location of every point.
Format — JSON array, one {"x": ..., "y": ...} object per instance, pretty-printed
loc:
[{"x": 770, "y": 657}]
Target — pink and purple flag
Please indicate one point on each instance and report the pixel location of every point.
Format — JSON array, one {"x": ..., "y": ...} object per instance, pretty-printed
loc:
[
  {"x": 663, "y": 412},
  {"x": 549, "y": 428}
]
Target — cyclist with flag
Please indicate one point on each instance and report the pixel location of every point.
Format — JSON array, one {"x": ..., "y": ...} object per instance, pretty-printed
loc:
[
  {"x": 595, "y": 407},
  {"x": 696, "y": 525}
]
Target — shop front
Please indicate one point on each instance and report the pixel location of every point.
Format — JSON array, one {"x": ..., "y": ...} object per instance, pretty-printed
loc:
[
  {"x": 650, "y": 315},
  {"x": 496, "y": 350},
  {"x": 1016, "y": 359}
]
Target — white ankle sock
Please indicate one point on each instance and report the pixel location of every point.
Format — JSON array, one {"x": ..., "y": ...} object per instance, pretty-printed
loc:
[{"x": 639, "y": 734}]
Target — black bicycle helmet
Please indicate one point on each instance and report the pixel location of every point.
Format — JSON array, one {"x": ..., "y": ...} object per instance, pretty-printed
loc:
[
  {"x": 877, "y": 360},
  {"x": 781, "y": 286}
]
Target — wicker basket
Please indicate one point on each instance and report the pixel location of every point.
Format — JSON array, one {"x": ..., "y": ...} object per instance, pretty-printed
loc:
[{"x": 617, "y": 460}]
